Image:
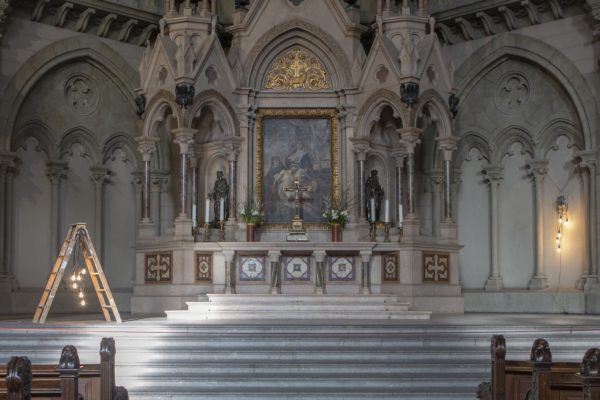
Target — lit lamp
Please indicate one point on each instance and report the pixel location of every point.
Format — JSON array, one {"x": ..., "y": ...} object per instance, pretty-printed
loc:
[{"x": 563, "y": 218}]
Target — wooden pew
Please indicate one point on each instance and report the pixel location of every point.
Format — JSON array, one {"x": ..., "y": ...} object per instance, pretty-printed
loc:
[
  {"x": 69, "y": 380},
  {"x": 540, "y": 378}
]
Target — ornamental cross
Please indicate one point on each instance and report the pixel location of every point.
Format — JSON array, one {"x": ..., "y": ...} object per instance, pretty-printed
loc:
[{"x": 297, "y": 189}]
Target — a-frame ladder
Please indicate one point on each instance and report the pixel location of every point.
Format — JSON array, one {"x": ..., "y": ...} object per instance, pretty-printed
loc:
[{"x": 78, "y": 236}]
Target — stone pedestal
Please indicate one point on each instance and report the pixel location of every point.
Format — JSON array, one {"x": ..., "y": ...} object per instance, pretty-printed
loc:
[
  {"x": 538, "y": 283},
  {"x": 411, "y": 227},
  {"x": 448, "y": 231},
  {"x": 494, "y": 283},
  {"x": 146, "y": 230},
  {"x": 183, "y": 229}
]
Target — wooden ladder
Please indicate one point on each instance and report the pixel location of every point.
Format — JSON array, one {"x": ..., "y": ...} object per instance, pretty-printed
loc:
[{"x": 78, "y": 236}]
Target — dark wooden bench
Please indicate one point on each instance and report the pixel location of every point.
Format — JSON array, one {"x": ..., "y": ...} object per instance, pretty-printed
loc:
[
  {"x": 69, "y": 380},
  {"x": 540, "y": 378}
]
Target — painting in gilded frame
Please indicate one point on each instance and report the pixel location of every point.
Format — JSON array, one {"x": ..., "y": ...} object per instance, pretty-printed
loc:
[{"x": 294, "y": 143}]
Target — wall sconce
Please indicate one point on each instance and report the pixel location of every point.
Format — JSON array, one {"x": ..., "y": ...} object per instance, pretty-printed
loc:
[{"x": 561, "y": 209}]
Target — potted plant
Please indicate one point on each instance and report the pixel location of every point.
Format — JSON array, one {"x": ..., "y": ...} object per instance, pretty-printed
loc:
[
  {"x": 335, "y": 212},
  {"x": 251, "y": 213}
]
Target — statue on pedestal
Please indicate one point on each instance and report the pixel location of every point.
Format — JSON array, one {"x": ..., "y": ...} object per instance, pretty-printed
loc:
[
  {"x": 220, "y": 191},
  {"x": 373, "y": 190}
]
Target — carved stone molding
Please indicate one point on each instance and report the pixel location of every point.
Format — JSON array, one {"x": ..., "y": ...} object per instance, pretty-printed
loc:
[
  {"x": 297, "y": 70},
  {"x": 436, "y": 267},
  {"x": 479, "y": 19},
  {"x": 512, "y": 92},
  {"x": 104, "y": 19},
  {"x": 158, "y": 267},
  {"x": 82, "y": 94}
]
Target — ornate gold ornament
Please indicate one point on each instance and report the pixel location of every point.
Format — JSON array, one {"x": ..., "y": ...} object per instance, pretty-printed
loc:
[{"x": 297, "y": 70}]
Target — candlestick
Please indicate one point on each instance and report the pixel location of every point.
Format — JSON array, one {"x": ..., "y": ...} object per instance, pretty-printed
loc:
[
  {"x": 207, "y": 211},
  {"x": 372, "y": 214},
  {"x": 386, "y": 232},
  {"x": 206, "y": 232},
  {"x": 221, "y": 231},
  {"x": 400, "y": 214},
  {"x": 222, "y": 209},
  {"x": 373, "y": 232},
  {"x": 386, "y": 214}
]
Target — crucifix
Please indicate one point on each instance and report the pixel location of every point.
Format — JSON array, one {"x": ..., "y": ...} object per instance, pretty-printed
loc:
[{"x": 297, "y": 233}]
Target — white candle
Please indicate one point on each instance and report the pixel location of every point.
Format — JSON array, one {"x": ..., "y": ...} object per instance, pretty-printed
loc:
[
  {"x": 222, "y": 209},
  {"x": 386, "y": 214},
  {"x": 207, "y": 211},
  {"x": 400, "y": 216},
  {"x": 372, "y": 216},
  {"x": 194, "y": 215}
]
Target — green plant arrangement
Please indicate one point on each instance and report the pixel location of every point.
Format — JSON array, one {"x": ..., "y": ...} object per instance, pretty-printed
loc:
[{"x": 252, "y": 211}]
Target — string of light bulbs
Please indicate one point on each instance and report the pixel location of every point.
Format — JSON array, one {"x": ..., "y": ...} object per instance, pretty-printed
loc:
[
  {"x": 77, "y": 276},
  {"x": 563, "y": 219}
]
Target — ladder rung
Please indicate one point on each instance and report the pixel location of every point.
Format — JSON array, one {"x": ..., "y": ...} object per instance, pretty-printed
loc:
[{"x": 95, "y": 273}]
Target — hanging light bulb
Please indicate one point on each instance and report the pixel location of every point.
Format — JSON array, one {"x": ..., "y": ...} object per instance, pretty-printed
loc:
[
  {"x": 73, "y": 277},
  {"x": 81, "y": 295},
  {"x": 82, "y": 302},
  {"x": 83, "y": 271},
  {"x": 74, "y": 286}
]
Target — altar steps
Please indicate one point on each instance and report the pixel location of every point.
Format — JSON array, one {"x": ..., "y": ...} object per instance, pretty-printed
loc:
[
  {"x": 259, "y": 307},
  {"x": 297, "y": 360}
]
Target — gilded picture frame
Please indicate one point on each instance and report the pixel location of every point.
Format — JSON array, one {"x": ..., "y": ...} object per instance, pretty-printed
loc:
[{"x": 296, "y": 142}]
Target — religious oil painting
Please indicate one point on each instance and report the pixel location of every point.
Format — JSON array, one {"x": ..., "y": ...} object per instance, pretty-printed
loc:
[{"x": 296, "y": 144}]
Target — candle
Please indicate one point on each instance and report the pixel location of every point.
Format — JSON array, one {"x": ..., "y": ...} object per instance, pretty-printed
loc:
[
  {"x": 207, "y": 211},
  {"x": 386, "y": 214},
  {"x": 400, "y": 216},
  {"x": 222, "y": 209},
  {"x": 194, "y": 215},
  {"x": 372, "y": 215}
]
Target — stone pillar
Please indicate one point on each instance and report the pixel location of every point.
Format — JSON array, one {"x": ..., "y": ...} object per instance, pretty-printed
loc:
[
  {"x": 365, "y": 257},
  {"x": 539, "y": 169},
  {"x": 410, "y": 139},
  {"x": 361, "y": 148},
  {"x": 275, "y": 271},
  {"x": 55, "y": 171},
  {"x": 6, "y": 162},
  {"x": 184, "y": 137},
  {"x": 493, "y": 175},
  {"x": 436, "y": 177},
  {"x": 229, "y": 272},
  {"x": 100, "y": 176},
  {"x": 320, "y": 273},
  {"x": 158, "y": 182},
  {"x": 399, "y": 157},
  {"x": 587, "y": 168}
]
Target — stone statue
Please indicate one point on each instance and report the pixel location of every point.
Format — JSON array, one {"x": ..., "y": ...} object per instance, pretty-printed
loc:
[
  {"x": 220, "y": 191},
  {"x": 373, "y": 190}
]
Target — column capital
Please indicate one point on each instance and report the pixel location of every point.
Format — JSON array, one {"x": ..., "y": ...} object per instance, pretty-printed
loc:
[
  {"x": 493, "y": 173},
  {"x": 56, "y": 170},
  {"x": 184, "y": 137},
  {"x": 448, "y": 145},
  {"x": 159, "y": 179},
  {"x": 410, "y": 138},
  {"x": 274, "y": 255},
  {"x": 8, "y": 159},
  {"x": 399, "y": 155},
  {"x": 319, "y": 255},
  {"x": 233, "y": 146},
  {"x": 365, "y": 255},
  {"x": 362, "y": 147},
  {"x": 586, "y": 158},
  {"x": 146, "y": 146},
  {"x": 538, "y": 168},
  {"x": 436, "y": 176},
  {"x": 99, "y": 175}
]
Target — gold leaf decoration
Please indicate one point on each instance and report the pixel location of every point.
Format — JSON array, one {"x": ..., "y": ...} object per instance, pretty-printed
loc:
[{"x": 297, "y": 70}]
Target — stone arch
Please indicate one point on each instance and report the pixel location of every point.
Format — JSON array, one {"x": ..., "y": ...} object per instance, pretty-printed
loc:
[
  {"x": 433, "y": 101},
  {"x": 124, "y": 142},
  {"x": 155, "y": 111},
  {"x": 305, "y": 34},
  {"x": 556, "y": 128},
  {"x": 84, "y": 47},
  {"x": 221, "y": 108},
  {"x": 548, "y": 59},
  {"x": 46, "y": 139},
  {"x": 369, "y": 113},
  {"x": 469, "y": 141},
  {"x": 504, "y": 139},
  {"x": 85, "y": 138}
]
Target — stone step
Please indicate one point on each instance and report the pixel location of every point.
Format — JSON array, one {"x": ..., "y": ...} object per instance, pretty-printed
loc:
[{"x": 282, "y": 307}]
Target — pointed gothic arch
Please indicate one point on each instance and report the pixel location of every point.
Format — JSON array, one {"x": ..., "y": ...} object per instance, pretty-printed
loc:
[{"x": 369, "y": 113}]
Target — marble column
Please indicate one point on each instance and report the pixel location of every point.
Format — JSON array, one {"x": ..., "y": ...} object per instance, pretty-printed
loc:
[
  {"x": 194, "y": 188},
  {"x": 320, "y": 273},
  {"x": 233, "y": 149},
  {"x": 146, "y": 147},
  {"x": 361, "y": 148},
  {"x": 7, "y": 168},
  {"x": 539, "y": 169},
  {"x": 184, "y": 137},
  {"x": 410, "y": 138},
  {"x": 275, "y": 271},
  {"x": 55, "y": 171},
  {"x": 493, "y": 175},
  {"x": 229, "y": 272},
  {"x": 447, "y": 145},
  {"x": 399, "y": 157},
  {"x": 100, "y": 176},
  {"x": 436, "y": 178},
  {"x": 365, "y": 257}
]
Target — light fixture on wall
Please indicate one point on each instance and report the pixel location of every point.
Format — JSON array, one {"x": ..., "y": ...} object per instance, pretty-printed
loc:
[{"x": 563, "y": 219}]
